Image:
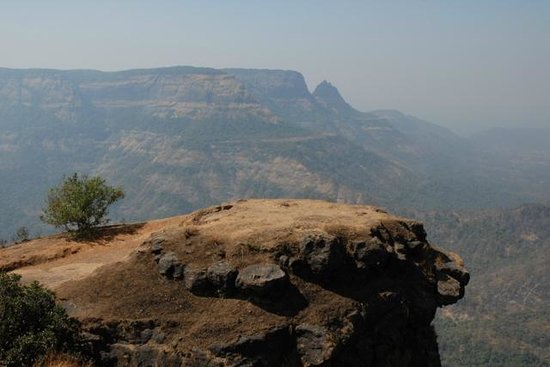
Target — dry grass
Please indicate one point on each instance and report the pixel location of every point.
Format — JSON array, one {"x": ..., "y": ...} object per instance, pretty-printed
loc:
[
  {"x": 251, "y": 232},
  {"x": 55, "y": 259},
  {"x": 62, "y": 360}
]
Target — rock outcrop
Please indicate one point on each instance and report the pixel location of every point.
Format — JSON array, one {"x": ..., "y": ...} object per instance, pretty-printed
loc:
[
  {"x": 272, "y": 283},
  {"x": 327, "y": 94}
]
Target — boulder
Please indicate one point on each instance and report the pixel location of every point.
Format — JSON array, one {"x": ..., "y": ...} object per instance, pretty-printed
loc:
[
  {"x": 454, "y": 270},
  {"x": 195, "y": 280},
  {"x": 313, "y": 344},
  {"x": 322, "y": 254},
  {"x": 292, "y": 264},
  {"x": 156, "y": 243},
  {"x": 170, "y": 266},
  {"x": 156, "y": 247},
  {"x": 449, "y": 289},
  {"x": 370, "y": 254},
  {"x": 221, "y": 276},
  {"x": 263, "y": 280}
]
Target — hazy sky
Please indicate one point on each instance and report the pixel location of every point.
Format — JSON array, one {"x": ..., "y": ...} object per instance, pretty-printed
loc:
[{"x": 463, "y": 64}]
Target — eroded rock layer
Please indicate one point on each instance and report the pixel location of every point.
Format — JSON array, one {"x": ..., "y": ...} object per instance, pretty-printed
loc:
[{"x": 272, "y": 283}]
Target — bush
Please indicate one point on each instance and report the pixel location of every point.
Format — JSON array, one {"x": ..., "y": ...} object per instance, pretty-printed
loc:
[
  {"x": 80, "y": 204},
  {"x": 31, "y": 323},
  {"x": 22, "y": 234}
]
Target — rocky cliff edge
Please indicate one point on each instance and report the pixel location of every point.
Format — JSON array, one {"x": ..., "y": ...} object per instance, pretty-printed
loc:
[{"x": 271, "y": 283}]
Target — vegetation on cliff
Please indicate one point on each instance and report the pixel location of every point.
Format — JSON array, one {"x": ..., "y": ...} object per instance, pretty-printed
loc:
[
  {"x": 80, "y": 204},
  {"x": 32, "y": 325}
]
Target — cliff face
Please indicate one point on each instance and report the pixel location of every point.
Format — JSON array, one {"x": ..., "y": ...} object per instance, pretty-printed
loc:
[
  {"x": 193, "y": 93},
  {"x": 272, "y": 283}
]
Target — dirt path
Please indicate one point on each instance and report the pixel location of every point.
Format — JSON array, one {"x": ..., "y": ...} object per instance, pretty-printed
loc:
[{"x": 55, "y": 260}]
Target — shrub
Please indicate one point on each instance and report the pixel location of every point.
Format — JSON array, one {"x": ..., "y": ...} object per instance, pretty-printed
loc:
[
  {"x": 22, "y": 234},
  {"x": 80, "y": 204},
  {"x": 31, "y": 323}
]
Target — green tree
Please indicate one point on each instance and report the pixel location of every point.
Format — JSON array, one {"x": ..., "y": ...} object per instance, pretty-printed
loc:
[
  {"x": 80, "y": 204},
  {"x": 32, "y": 324}
]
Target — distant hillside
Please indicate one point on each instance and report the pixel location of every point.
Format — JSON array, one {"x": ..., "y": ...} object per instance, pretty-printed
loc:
[
  {"x": 181, "y": 138},
  {"x": 504, "y": 320}
]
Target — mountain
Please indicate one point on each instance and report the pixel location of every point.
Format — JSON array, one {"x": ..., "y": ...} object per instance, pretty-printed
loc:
[
  {"x": 327, "y": 94},
  {"x": 450, "y": 171},
  {"x": 181, "y": 138},
  {"x": 192, "y": 136},
  {"x": 253, "y": 283}
]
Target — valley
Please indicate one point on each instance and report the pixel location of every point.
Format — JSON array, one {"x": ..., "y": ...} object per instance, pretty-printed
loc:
[{"x": 182, "y": 138}]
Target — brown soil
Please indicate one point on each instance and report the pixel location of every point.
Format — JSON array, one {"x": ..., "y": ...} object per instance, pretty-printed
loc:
[
  {"x": 243, "y": 232},
  {"x": 56, "y": 259},
  {"x": 117, "y": 279}
]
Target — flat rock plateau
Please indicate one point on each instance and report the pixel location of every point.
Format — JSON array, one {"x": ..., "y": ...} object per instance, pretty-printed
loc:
[{"x": 253, "y": 283}]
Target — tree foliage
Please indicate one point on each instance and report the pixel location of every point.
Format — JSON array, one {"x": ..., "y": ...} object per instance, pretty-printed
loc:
[
  {"x": 31, "y": 323},
  {"x": 80, "y": 204}
]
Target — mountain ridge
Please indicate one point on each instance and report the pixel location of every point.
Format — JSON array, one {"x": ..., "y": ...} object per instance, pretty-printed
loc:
[{"x": 54, "y": 122}]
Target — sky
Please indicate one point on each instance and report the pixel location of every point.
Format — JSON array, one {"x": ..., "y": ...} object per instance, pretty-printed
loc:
[{"x": 467, "y": 65}]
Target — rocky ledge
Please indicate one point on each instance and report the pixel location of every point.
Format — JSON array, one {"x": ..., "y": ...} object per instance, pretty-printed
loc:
[{"x": 272, "y": 283}]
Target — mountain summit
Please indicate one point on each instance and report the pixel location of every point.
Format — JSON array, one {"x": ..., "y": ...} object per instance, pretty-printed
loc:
[{"x": 328, "y": 95}]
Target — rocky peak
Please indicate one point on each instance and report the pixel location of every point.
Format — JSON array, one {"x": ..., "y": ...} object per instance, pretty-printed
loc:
[
  {"x": 272, "y": 283},
  {"x": 328, "y": 95}
]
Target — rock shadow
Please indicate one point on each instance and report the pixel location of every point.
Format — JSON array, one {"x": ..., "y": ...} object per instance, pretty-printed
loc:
[
  {"x": 103, "y": 235},
  {"x": 289, "y": 304}
]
